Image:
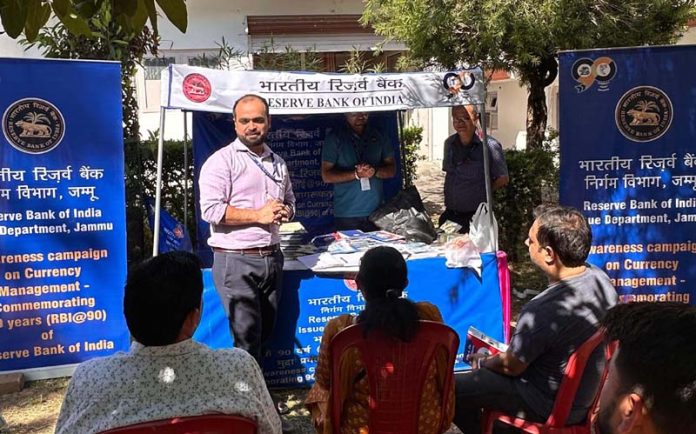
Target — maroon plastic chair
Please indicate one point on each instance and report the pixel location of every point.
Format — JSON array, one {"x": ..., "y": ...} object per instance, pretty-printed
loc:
[
  {"x": 206, "y": 424},
  {"x": 396, "y": 372},
  {"x": 556, "y": 423}
]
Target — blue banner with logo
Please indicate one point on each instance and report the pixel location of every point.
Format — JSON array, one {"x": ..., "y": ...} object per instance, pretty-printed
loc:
[
  {"x": 62, "y": 213},
  {"x": 628, "y": 161},
  {"x": 298, "y": 140}
]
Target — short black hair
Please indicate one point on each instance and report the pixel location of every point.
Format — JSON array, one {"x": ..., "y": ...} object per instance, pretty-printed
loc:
[
  {"x": 160, "y": 292},
  {"x": 246, "y": 97},
  {"x": 566, "y": 231},
  {"x": 657, "y": 359},
  {"x": 382, "y": 268}
]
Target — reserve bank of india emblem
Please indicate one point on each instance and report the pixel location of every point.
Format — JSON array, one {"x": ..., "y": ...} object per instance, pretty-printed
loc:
[
  {"x": 644, "y": 114},
  {"x": 33, "y": 125},
  {"x": 196, "y": 87}
]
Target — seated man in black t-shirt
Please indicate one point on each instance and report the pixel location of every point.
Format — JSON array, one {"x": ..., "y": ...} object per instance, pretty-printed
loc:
[{"x": 523, "y": 381}]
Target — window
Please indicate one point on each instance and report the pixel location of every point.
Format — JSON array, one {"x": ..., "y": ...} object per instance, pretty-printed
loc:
[
  {"x": 154, "y": 65},
  {"x": 492, "y": 110}
]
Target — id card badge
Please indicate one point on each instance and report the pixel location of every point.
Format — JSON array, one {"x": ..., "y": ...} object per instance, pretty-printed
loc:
[{"x": 364, "y": 184}]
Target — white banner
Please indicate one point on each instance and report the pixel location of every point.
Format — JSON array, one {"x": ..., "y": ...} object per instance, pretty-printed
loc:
[{"x": 201, "y": 89}]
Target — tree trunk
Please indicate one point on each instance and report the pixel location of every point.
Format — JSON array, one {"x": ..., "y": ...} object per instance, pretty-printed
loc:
[
  {"x": 537, "y": 114},
  {"x": 537, "y": 78}
]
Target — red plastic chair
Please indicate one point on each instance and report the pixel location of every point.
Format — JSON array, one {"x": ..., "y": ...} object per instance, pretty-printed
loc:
[
  {"x": 556, "y": 423},
  {"x": 396, "y": 372},
  {"x": 206, "y": 424}
]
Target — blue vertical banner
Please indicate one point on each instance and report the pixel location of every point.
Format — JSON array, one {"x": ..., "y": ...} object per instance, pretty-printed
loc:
[
  {"x": 628, "y": 161},
  {"x": 62, "y": 213}
]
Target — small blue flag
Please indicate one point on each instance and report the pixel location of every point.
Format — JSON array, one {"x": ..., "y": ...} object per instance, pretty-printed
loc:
[{"x": 173, "y": 235}]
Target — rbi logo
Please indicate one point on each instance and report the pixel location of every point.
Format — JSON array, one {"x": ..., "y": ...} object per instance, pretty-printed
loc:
[
  {"x": 644, "y": 114},
  {"x": 178, "y": 231},
  {"x": 33, "y": 125},
  {"x": 196, "y": 87},
  {"x": 350, "y": 284}
]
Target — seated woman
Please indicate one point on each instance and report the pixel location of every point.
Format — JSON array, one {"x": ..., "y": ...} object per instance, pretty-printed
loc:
[{"x": 381, "y": 279}]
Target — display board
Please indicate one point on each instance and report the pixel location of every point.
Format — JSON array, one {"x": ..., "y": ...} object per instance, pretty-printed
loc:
[
  {"x": 62, "y": 213},
  {"x": 309, "y": 301},
  {"x": 628, "y": 161}
]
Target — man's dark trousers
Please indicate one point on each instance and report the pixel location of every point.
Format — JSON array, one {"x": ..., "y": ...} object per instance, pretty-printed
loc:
[{"x": 250, "y": 287}]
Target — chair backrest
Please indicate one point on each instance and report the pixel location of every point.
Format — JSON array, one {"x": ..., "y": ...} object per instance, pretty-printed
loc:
[
  {"x": 573, "y": 376},
  {"x": 396, "y": 372},
  {"x": 206, "y": 424}
]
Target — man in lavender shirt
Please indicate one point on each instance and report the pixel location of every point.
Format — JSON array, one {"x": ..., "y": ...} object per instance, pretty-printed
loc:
[{"x": 245, "y": 194}]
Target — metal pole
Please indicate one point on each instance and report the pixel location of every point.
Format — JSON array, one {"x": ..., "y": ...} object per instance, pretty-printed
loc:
[
  {"x": 158, "y": 186},
  {"x": 185, "y": 169},
  {"x": 487, "y": 169}
]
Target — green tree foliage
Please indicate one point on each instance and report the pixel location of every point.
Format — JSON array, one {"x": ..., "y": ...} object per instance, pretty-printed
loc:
[
  {"x": 411, "y": 138},
  {"x": 523, "y": 35},
  {"x": 27, "y": 17},
  {"x": 271, "y": 58}
]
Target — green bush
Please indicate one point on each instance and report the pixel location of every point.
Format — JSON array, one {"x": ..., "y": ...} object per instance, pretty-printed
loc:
[
  {"x": 533, "y": 180},
  {"x": 411, "y": 138},
  {"x": 141, "y": 179}
]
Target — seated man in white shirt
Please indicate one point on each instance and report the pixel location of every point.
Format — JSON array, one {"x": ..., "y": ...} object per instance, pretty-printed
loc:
[{"x": 165, "y": 374}]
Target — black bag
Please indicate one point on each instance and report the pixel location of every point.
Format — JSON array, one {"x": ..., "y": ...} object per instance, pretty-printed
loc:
[{"x": 405, "y": 215}]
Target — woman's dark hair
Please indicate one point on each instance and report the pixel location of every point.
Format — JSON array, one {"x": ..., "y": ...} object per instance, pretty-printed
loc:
[{"x": 382, "y": 277}]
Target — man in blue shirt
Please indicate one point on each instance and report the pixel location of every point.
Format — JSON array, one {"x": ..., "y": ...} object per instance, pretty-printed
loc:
[
  {"x": 356, "y": 158},
  {"x": 465, "y": 183}
]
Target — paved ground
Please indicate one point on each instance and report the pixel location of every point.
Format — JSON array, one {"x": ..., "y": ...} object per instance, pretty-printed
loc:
[{"x": 430, "y": 182}]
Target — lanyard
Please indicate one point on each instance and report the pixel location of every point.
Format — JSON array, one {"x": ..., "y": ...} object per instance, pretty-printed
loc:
[{"x": 266, "y": 172}]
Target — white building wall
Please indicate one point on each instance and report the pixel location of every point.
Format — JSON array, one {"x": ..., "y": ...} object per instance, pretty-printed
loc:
[
  {"x": 512, "y": 111},
  {"x": 689, "y": 37},
  {"x": 11, "y": 48},
  {"x": 209, "y": 20}
]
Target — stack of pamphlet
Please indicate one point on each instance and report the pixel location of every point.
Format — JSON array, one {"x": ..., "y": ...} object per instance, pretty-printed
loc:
[
  {"x": 342, "y": 250},
  {"x": 292, "y": 240}
]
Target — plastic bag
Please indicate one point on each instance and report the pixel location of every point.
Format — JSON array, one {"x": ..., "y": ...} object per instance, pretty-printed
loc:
[
  {"x": 480, "y": 233},
  {"x": 405, "y": 215},
  {"x": 461, "y": 252}
]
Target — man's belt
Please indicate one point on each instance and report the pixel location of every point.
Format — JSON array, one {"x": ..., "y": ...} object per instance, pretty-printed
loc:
[{"x": 255, "y": 251}]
